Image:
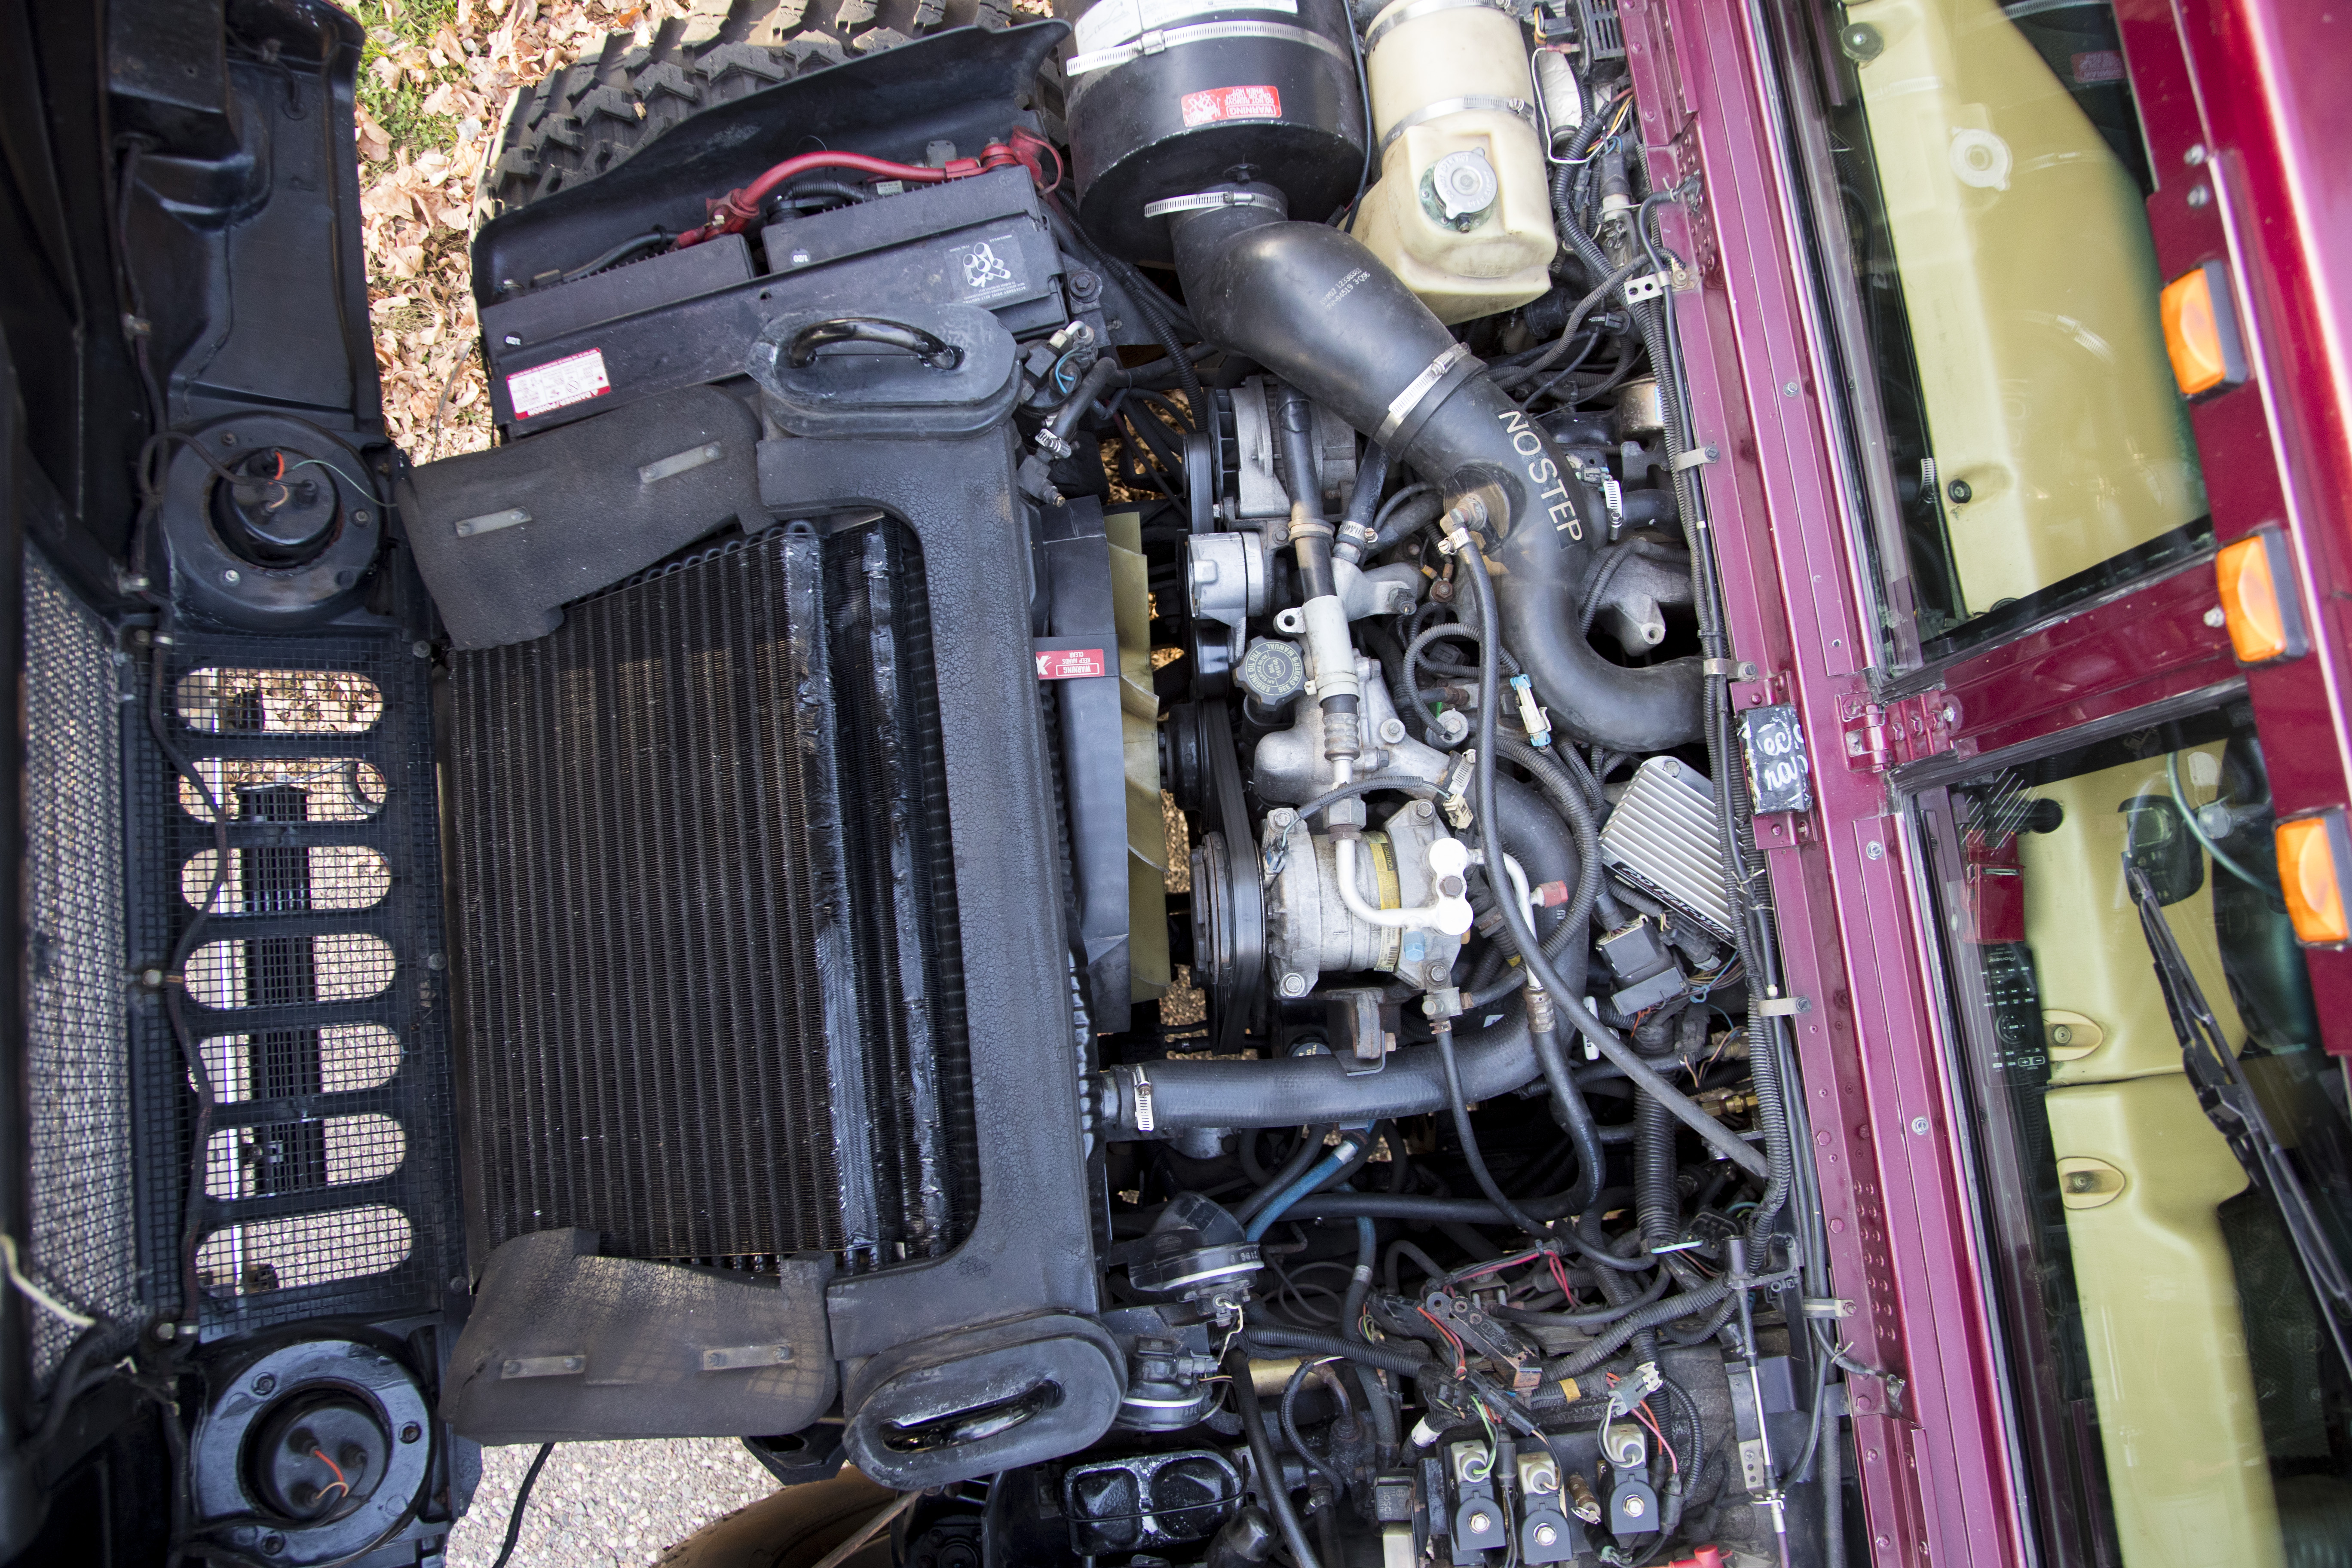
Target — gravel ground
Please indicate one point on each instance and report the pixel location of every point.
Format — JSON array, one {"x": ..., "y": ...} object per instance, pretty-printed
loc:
[{"x": 606, "y": 1505}]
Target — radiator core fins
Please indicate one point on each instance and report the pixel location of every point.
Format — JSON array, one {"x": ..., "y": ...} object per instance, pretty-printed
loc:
[{"x": 708, "y": 977}]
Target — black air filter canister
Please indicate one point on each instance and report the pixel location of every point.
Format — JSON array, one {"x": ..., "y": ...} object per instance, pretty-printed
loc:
[{"x": 1167, "y": 98}]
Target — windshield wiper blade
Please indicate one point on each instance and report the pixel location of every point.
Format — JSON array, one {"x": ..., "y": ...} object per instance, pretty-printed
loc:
[{"x": 2232, "y": 1106}]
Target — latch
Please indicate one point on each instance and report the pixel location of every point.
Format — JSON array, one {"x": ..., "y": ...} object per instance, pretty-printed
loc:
[{"x": 1883, "y": 735}]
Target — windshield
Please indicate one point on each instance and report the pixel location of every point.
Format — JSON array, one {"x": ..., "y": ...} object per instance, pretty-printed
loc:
[
  {"x": 2178, "y": 1391},
  {"x": 1978, "y": 186}
]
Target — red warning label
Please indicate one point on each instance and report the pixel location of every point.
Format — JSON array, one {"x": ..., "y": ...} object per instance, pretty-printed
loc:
[
  {"x": 1231, "y": 103},
  {"x": 1069, "y": 663}
]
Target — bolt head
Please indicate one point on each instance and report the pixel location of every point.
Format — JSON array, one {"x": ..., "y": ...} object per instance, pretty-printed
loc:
[
  {"x": 2195, "y": 156},
  {"x": 1294, "y": 986},
  {"x": 265, "y": 1385},
  {"x": 2216, "y": 617},
  {"x": 1546, "y": 1535},
  {"x": 2200, "y": 195},
  {"x": 1391, "y": 731},
  {"x": 1636, "y": 1508},
  {"x": 1874, "y": 850},
  {"x": 1920, "y": 1125},
  {"x": 232, "y": 577},
  {"x": 1480, "y": 1523}
]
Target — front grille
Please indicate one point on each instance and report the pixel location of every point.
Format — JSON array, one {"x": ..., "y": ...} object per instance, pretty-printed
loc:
[
  {"x": 707, "y": 979},
  {"x": 314, "y": 977}
]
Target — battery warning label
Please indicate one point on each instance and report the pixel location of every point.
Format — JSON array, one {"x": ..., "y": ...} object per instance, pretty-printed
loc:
[
  {"x": 1231, "y": 103},
  {"x": 543, "y": 389}
]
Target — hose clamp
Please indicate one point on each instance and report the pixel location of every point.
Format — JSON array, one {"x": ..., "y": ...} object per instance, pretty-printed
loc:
[
  {"x": 1203, "y": 33},
  {"x": 1402, "y": 406},
  {"x": 1416, "y": 11},
  {"x": 1208, "y": 200},
  {"x": 1519, "y": 106},
  {"x": 1144, "y": 1119}
]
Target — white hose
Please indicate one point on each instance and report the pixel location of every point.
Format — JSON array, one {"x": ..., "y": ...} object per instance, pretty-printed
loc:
[{"x": 1450, "y": 914}]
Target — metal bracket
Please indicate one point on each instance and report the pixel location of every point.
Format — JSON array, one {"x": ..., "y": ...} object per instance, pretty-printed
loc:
[
  {"x": 1884, "y": 735},
  {"x": 1696, "y": 457},
  {"x": 1729, "y": 668},
  {"x": 1782, "y": 1006},
  {"x": 1647, "y": 287}
]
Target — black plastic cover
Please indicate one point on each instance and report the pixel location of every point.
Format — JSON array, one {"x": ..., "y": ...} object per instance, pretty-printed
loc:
[
  {"x": 504, "y": 538},
  {"x": 565, "y": 1345}
]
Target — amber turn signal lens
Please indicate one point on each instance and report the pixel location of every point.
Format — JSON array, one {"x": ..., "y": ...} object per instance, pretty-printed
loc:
[
  {"x": 2257, "y": 583},
  {"x": 2311, "y": 856},
  {"x": 2200, "y": 332}
]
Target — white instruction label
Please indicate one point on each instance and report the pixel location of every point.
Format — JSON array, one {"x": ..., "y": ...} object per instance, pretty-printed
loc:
[
  {"x": 1113, "y": 22},
  {"x": 559, "y": 383}
]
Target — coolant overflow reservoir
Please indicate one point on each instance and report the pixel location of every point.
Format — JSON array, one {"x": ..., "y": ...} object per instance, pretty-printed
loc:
[{"x": 1462, "y": 212}]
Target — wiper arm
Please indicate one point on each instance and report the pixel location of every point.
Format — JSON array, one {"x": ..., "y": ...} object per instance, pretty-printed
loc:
[{"x": 2230, "y": 1105}]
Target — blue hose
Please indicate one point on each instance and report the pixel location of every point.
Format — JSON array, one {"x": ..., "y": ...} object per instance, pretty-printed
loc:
[{"x": 1322, "y": 1171}]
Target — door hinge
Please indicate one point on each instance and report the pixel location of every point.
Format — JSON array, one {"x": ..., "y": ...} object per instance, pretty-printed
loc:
[{"x": 1883, "y": 735}]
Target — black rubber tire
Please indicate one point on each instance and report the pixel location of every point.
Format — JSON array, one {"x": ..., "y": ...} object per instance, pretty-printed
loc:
[{"x": 577, "y": 122}]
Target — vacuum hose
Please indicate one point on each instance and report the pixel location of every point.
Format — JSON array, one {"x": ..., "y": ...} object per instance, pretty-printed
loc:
[{"x": 1315, "y": 307}]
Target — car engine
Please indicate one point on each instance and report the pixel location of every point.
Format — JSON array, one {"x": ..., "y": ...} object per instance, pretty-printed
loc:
[{"x": 1096, "y": 851}]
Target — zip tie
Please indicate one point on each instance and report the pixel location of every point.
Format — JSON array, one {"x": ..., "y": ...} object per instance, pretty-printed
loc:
[{"x": 24, "y": 1281}]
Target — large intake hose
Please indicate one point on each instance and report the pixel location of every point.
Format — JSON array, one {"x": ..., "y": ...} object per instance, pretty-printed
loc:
[{"x": 1318, "y": 310}]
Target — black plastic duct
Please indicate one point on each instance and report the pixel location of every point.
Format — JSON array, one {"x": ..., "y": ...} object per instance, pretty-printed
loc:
[{"x": 1318, "y": 310}]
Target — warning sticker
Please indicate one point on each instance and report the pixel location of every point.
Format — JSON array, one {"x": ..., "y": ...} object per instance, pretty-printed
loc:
[
  {"x": 1069, "y": 663},
  {"x": 987, "y": 268},
  {"x": 559, "y": 383},
  {"x": 1231, "y": 103}
]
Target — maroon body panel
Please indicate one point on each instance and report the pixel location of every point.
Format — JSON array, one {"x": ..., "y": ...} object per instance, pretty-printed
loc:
[{"x": 2264, "y": 103}]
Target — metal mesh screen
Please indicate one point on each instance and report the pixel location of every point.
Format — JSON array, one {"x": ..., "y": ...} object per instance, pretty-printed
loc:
[
  {"x": 78, "y": 1066},
  {"x": 314, "y": 985}
]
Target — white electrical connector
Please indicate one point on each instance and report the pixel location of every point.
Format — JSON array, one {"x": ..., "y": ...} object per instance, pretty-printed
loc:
[{"x": 1532, "y": 717}]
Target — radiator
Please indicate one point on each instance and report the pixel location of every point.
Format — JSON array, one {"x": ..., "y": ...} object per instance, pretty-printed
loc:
[{"x": 707, "y": 971}]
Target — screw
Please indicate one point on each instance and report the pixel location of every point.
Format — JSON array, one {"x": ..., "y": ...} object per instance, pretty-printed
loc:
[
  {"x": 1546, "y": 1535},
  {"x": 1920, "y": 1125},
  {"x": 1787, "y": 389},
  {"x": 2082, "y": 1182},
  {"x": 1294, "y": 986},
  {"x": 1391, "y": 731},
  {"x": 1874, "y": 850},
  {"x": 2199, "y": 195},
  {"x": 411, "y": 1432},
  {"x": 421, "y": 649},
  {"x": 2062, "y": 1033},
  {"x": 361, "y": 517},
  {"x": 273, "y": 1544},
  {"x": 232, "y": 577},
  {"x": 265, "y": 1385},
  {"x": 1083, "y": 284},
  {"x": 228, "y": 437},
  {"x": 2216, "y": 619},
  {"x": 1636, "y": 1508},
  {"x": 1481, "y": 1523},
  {"x": 2195, "y": 156},
  {"x": 1961, "y": 492}
]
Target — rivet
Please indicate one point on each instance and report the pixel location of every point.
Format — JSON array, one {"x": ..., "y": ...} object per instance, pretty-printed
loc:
[
  {"x": 411, "y": 1432},
  {"x": 2199, "y": 195},
  {"x": 2216, "y": 619},
  {"x": 361, "y": 517},
  {"x": 232, "y": 577},
  {"x": 421, "y": 649},
  {"x": 265, "y": 1385},
  {"x": 1920, "y": 1125},
  {"x": 1961, "y": 492},
  {"x": 1874, "y": 850},
  {"x": 2195, "y": 156},
  {"x": 1787, "y": 389}
]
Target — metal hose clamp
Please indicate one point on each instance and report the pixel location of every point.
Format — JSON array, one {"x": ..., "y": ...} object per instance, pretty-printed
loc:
[{"x": 1402, "y": 406}]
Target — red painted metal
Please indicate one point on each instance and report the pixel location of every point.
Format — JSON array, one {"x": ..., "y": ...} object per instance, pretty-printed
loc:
[
  {"x": 1935, "y": 1467},
  {"x": 2152, "y": 642},
  {"x": 2247, "y": 123}
]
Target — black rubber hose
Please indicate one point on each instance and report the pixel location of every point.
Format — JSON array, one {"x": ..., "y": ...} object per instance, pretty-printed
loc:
[
  {"x": 1360, "y": 1281},
  {"x": 1469, "y": 1137},
  {"x": 1258, "y": 284},
  {"x": 1380, "y": 1406},
  {"x": 1621, "y": 1292},
  {"x": 1575, "y": 1116},
  {"x": 1310, "y": 1150},
  {"x": 1269, "y": 1468},
  {"x": 1277, "y": 1339},
  {"x": 1641, "y": 1320},
  {"x": 1288, "y": 1413}
]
